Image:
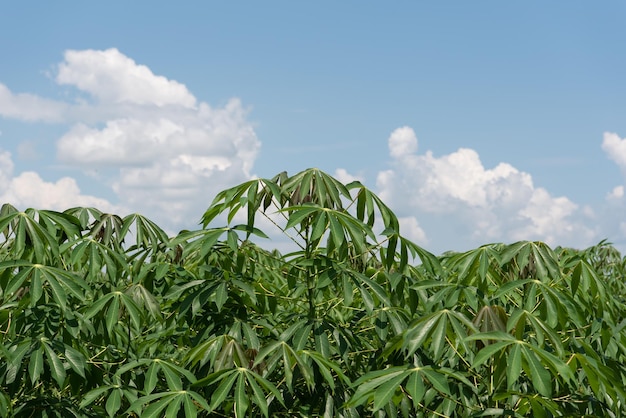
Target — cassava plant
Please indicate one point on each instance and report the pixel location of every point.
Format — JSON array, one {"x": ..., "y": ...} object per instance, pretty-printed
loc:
[{"x": 104, "y": 315}]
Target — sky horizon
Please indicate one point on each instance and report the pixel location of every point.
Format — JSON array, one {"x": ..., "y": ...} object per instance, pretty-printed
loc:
[{"x": 475, "y": 123}]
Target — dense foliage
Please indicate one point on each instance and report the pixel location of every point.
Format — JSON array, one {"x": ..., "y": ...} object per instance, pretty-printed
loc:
[{"x": 104, "y": 316}]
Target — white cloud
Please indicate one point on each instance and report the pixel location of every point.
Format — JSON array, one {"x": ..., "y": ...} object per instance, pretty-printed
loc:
[
  {"x": 411, "y": 229},
  {"x": 28, "y": 107},
  {"x": 121, "y": 142},
  {"x": 164, "y": 153},
  {"x": 112, "y": 77},
  {"x": 474, "y": 203},
  {"x": 343, "y": 176},
  {"x": 549, "y": 218},
  {"x": 6, "y": 169},
  {"x": 402, "y": 142},
  {"x": 615, "y": 148},
  {"x": 616, "y": 194},
  {"x": 28, "y": 189}
]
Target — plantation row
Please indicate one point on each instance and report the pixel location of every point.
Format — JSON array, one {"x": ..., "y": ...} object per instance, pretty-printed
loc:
[{"x": 108, "y": 316}]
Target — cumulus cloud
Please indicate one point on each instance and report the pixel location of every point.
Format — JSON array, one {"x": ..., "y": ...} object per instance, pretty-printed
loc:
[
  {"x": 343, "y": 176},
  {"x": 161, "y": 150},
  {"x": 402, "y": 142},
  {"x": 616, "y": 194},
  {"x": 615, "y": 149},
  {"x": 112, "y": 77},
  {"x": 411, "y": 229},
  {"x": 30, "y": 108},
  {"x": 499, "y": 203},
  {"x": 6, "y": 169},
  {"x": 28, "y": 189}
]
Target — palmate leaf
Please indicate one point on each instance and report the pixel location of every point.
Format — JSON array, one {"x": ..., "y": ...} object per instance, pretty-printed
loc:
[
  {"x": 84, "y": 215},
  {"x": 597, "y": 378},
  {"x": 326, "y": 367},
  {"x": 435, "y": 328},
  {"x": 171, "y": 402},
  {"x": 98, "y": 260},
  {"x": 107, "y": 228},
  {"x": 541, "y": 330},
  {"x": 55, "y": 365},
  {"x": 248, "y": 386},
  {"x": 315, "y": 186},
  {"x": 221, "y": 352},
  {"x": 475, "y": 266},
  {"x": 379, "y": 387},
  {"x": 147, "y": 233},
  {"x": 57, "y": 284},
  {"x": 198, "y": 244},
  {"x": 110, "y": 306},
  {"x": 592, "y": 288},
  {"x": 555, "y": 303},
  {"x": 145, "y": 300},
  {"x": 35, "y": 365},
  {"x": 31, "y": 239},
  {"x": 76, "y": 360},
  {"x": 170, "y": 371},
  {"x": 531, "y": 259},
  {"x": 253, "y": 194},
  {"x": 542, "y": 367},
  {"x": 278, "y": 351},
  {"x": 60, "y": 224},
  {"x": 541, "y": 378}
]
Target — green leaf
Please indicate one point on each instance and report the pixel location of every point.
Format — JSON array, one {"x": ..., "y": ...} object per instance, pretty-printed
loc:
[
  {"x": 172, "y": 376},
  {"x": 438, "y": 380},
  {"x": 417, "y": 334},
  {"x": 35, "y": 365},
  {"x": 16, "y": 281},
  {"x": 114, "y": 402},
  {"x": 297, "y": 214},
  {"x": 324, "y": 363},
  {"x": 56, "y": 365},
  {"x": 241, "y": 397},
  {"x": 415, "y": 387},
  {"x": 438, "y": 336},
  {"x": 155, "y": 409},
  {"x": 150, "y": 379},
  {"x": 301, "y": 337},
  {"x": 76, "y": 360},
  {"x": 174, "y": 405},
  {"x": 92, "y": 395},
  {"x": 189, "y": 407},
  {"x": 112, "y": 315},
  {"x": 221, "y": 296},
  {"x": 368, "y": 383},
  {"x": 198, "y": 399},
  {"x": 514, "y": 365},
  {"x": 222, "y": 391},
  {"x": 258, "y": 397},
  {"x": 384, "y": 393},
  {"x": 540, "y": 377},
  {"x": 488, "y": 351}
]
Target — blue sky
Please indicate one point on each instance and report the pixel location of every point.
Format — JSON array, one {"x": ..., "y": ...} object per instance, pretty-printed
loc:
[{"x": 476, "y": 121}]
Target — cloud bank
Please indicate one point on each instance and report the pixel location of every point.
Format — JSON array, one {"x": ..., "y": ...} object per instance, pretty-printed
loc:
[
  {"x": 162, "y": 152},
  {"x": 478, "y": 204}
]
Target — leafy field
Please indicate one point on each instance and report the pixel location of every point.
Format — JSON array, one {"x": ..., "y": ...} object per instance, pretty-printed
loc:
[{"x": 108, "y": 316}]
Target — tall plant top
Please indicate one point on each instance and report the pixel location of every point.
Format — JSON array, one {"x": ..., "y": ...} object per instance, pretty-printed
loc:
[{"x": 104, "y": 315}]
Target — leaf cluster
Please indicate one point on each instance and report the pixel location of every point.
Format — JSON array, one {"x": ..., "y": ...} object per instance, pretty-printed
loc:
[{"x": 103, "y": 315}]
